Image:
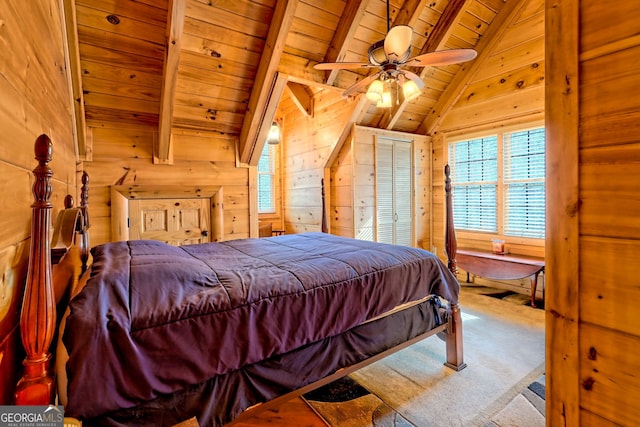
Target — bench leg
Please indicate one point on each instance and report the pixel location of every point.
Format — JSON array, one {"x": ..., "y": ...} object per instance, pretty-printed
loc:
[{"x": 534, "y": 285}]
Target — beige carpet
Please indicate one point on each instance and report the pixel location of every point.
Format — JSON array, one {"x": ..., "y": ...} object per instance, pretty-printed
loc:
[{"x": 504, "y": 351}]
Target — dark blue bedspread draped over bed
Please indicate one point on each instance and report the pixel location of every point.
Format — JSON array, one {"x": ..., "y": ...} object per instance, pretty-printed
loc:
[{"x": 160, "y": 333}]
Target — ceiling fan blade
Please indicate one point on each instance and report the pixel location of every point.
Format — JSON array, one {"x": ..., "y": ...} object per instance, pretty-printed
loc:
[
  {"x": 414, "y": 77},
  {"x": 361, "y": 84},
  {"x": 397, "y": 43},
  {"x": 342, "y": 65},
  {"x": 442, "y": 57}
]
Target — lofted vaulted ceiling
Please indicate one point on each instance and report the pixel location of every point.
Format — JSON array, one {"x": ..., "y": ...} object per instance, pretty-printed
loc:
[{"x": 222, "y": 65}]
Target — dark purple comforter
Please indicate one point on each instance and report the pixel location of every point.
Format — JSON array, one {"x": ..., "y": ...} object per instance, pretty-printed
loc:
[{"x": 154, "y": 318}]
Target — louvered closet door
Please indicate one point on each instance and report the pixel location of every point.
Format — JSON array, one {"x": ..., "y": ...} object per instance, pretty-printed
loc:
[{"x": 394, "y": 192}]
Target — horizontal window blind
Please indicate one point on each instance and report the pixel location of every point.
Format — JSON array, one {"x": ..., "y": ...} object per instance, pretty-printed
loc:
[
  {"x": 474, "y": 207},
  {"x": 509, "y": 168},
  {"x": 524, "y": 173},
  {"x": 266, "y": 181},
  {"x": 474, "y": 175}
]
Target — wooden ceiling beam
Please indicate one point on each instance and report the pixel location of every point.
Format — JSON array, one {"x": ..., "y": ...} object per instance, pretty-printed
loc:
[
  {"x": 349, "y": 21},
  {"x": 265, "y": 81},
  {"x": 277, "y": 89},
  {"x": 359, "y": 109},
  {"x": 440, "y": 33},
  {"x": 75, "y": 75},
  {"x": 410, "y": 12},
  {"x": 435, "y": 41},
  {"x": 501, "y": 23},
  {"x": 301, "y": 70},
  {"x": 302, "y": 97},
  {"x": 175, "y": 24}
]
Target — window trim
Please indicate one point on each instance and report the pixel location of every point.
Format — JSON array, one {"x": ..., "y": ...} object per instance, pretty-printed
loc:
[{"x": 485, "y": 236}]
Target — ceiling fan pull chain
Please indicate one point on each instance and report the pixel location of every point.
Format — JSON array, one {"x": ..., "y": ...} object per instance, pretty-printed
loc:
[{"x": 397, "y": 92}]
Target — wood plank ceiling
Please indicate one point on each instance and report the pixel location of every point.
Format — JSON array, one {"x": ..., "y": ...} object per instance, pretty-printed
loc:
[{"x": 222, "y": 65}]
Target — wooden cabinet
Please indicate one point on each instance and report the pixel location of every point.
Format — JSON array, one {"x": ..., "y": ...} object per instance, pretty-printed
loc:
[
  {"x": 176, "y": 215},
  {"x": 175, "y": 221},
  {"x": 380, "y": 188}
]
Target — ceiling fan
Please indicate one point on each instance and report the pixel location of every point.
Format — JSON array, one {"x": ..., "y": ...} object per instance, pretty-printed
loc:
[{"x": 390, "y": 56}]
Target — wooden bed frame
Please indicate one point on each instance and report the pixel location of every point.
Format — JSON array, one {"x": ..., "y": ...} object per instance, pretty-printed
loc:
[{"x": 46, "y": 293}]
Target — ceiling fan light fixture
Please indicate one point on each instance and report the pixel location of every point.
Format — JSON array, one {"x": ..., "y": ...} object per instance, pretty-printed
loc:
[
  {"x": 410, "y": 90},
  {"x": 377, "y": 55},
  {"x": 385, "y": 102},
  {"x": 397, "y": 43},
  {"x": 375, "y": 91}
]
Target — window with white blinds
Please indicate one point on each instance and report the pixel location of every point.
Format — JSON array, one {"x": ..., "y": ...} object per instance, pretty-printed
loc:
[
  {"x": 474, "y": 176},
  {"x": 266, "y": 180},
  {"x": 524, "y": 172},
  {"x": 499, "y": 183}
]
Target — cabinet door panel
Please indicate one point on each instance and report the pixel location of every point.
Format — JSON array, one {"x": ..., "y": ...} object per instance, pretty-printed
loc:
[
  {"x": 394, "y": 191},
  {"x": 174, "y": 221}
]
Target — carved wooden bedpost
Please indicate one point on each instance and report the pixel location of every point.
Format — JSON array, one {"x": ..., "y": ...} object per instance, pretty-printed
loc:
[
  {"x": 84, "y": 233},
  {"x": 324, "y": 224},
  {"x": 38, "y": 316},
  {"x": 455, "y": 359},
  {"x": 451, "y": 246}
]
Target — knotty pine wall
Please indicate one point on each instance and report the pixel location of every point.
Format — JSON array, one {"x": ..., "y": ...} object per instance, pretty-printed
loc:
[
  {"x": 593, "y": 159},
  {"x": 124, "y": 156},
  {"x": 34, "y": 99},
  {"x": 343, "y": 213},
  {"x": 308, "y": 143},
  {"x": 307, "y": 154},
  {"x": 507, "y": 89}
]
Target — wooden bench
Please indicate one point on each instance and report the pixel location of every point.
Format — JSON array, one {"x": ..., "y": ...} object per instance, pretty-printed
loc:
[{"x": 502, "y": 267}]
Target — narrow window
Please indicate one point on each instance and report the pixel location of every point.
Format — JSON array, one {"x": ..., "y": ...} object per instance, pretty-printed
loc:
[
  {"x": 266, "y": 180},
  {"x": 524, "y": 172}
]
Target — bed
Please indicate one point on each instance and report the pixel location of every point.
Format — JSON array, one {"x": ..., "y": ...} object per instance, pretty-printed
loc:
[{"x": 154, "y": 334}]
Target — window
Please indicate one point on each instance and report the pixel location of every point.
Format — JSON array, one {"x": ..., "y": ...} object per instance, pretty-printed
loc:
[
  {"x": 474, "y": 167},
  {"x": 267, "y": 180},
  {"x": 524, "y": 170},
  {"x": 498, "y": 183}
]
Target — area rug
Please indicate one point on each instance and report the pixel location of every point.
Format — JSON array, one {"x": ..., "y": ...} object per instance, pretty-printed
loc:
[
  {"x": 504, "y": 351},
  {"x": 346, "y": 403},
  {"x": 526, "y": 410}
]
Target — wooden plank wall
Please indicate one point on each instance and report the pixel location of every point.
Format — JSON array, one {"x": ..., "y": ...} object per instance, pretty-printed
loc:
[
  {"x": 506, "y": 90},
  {"x": 593, "y": 332},
  {"x": 308, "y": 145},
  {"x": 363, "y": 185},
  {"x": 123, "y": 155},
  {"x": 35, "y": 100},
  {"x": 343, "y": 215}
]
